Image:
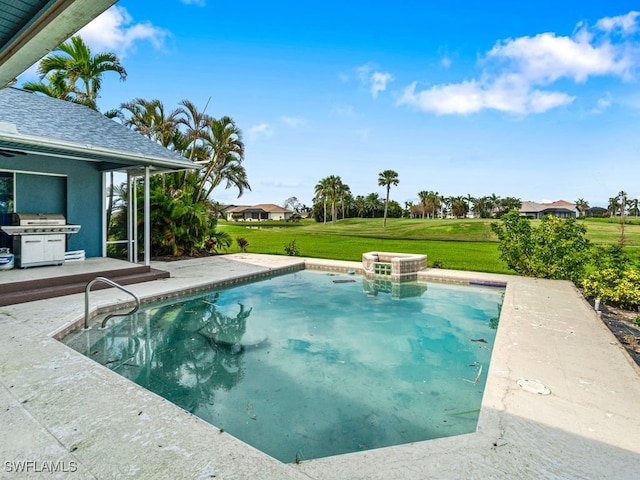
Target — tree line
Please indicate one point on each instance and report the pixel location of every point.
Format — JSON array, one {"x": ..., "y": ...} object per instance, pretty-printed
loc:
[{"x": 334, "y": 200}]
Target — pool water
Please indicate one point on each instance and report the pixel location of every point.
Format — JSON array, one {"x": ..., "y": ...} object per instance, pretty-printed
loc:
[{"x": 310, "y": 364}]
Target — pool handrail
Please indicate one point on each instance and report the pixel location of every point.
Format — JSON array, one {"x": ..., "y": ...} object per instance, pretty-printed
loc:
[{"x": 108, "y": 317}]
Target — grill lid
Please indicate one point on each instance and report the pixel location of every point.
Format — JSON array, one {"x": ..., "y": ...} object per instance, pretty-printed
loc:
[{"x": 26, "y": 219}]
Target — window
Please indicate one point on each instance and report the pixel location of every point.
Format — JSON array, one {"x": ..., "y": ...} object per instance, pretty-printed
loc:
[{"x": 6, "y": 205}]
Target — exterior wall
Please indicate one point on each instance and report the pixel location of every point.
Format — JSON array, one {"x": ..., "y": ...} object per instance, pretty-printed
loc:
[
  {"x": 254, "y": 216},
  {"x": 83, "y": 202},
  {"x": 279, "y": 216},
  {"x": 560, "y": 213}
]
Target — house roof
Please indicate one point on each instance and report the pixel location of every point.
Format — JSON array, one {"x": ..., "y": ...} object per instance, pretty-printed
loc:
[
  {"x": 29, "y": 29},
  {"x": 33, "y": 123},
  {"x": 264, "y": 207},
  {"x": 534, "y": 207}
]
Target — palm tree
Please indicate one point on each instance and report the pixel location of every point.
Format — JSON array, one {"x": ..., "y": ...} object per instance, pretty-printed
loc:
[
  {"x": 582, "y": 205},
  {"x": 334, "y": 184},
  {"x": 470, "y": 203},
  {"x": 633, "y": 207},
  {"x": 320, "y": 195},
  {"x": 408, "y": 208},
  {"x": 387, "y": 178},
  {"x": 148, "y": 117},
  {"x": 613, "y": 207},
  {"x": 494, "y": 203},
  {"x": 360, "y": 205},
  {"x": 459, "y": 207},
  {"x": 345, "y": 198},
  {"x": 224, "y": 141},
  {"x": 372, "y": 202},
  {"x": 424, "y": 198},
  {"x": 56, "y": 86},
  {"x": 215, "y": 143},
  {"x": 446, "y": 204},
  {"x": 196, "y": 124},
  {"x": 75, "y": 61},
  {"x": 433, "y": 199}
]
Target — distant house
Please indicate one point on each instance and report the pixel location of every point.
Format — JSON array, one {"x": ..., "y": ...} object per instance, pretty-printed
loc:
[
  {"x": 560, "y": 209},
  {"x": 257, "y": 213}
]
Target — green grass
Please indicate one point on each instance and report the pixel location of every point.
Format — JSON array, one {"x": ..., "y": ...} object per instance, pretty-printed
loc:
[
  {"x": 465, "y": 244},
  {"x": 607, "y": 231}
]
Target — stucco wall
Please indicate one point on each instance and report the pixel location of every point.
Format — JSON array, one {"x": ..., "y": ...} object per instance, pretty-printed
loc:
[{"x": 35, "y": 193}]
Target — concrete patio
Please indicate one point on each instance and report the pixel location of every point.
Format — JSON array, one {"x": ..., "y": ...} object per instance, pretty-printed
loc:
[{"x": 63, "y": 412}]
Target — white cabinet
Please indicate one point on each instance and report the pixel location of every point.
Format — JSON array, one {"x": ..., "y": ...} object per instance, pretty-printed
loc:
[{"x": 33, "y": 250}]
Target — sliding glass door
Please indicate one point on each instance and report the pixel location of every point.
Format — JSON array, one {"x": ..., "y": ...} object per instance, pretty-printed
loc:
[{"x": 6, "y": 205}]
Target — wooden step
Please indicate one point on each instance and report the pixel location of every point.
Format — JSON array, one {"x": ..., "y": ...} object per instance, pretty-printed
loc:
[{"x": 39, "y": 289}]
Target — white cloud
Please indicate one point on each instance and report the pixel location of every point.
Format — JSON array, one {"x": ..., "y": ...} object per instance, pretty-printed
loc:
[
  {"x": 258, "y": 131},
  {"x": 472, "y": 96},
  {"x": 293, "y": 122},
  {"x": 199, "y": 3},
  {"x": 517, "y": 72},
  {"x": 625, "y": 23},
  {"x": 375, "y": 81},
  {"x": 546, "y": 57},
  {"x": 379, "y": 82},
  {"x": 603, "y": 104},
  {"x": 446, "y": 61},
  {"x": 539, "y": 101},
  {"x": 116, "y": 32}
]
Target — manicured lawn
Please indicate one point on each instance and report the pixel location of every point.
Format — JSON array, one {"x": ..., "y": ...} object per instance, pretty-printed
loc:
[
  {"x": 465, "y": 244},
  {"x": 607, "y": 230}
]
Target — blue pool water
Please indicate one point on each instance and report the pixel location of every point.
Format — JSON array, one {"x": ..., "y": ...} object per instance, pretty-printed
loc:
[{"x": 310, "y": 364}]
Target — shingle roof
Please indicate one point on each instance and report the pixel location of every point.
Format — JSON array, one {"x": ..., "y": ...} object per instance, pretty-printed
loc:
[
  {"x": 265, "y": 207},
  {"x": 41, "y": 124},
  {"x": 534, "y": 207}
]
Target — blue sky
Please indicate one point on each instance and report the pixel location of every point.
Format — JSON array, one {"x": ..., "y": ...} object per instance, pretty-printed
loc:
[{"x": 537, "y": 100}]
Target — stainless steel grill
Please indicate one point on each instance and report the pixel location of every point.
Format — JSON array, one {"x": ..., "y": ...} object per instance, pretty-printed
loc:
[
  {"x": 39, "y": 224},
  {"x": 39, "y": 238}
]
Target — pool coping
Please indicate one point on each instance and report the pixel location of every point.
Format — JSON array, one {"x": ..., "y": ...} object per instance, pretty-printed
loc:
[{"x": 61, "y": 409}]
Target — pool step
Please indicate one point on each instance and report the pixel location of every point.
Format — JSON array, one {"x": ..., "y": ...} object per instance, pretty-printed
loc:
[{"x": 43, "y": 288}]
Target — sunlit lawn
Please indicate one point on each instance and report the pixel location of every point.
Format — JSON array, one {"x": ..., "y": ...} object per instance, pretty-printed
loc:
[{"x": 465, "y": 244}]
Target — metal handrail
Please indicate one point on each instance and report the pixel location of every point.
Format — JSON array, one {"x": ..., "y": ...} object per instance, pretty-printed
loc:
[{"x": 113, "y": 284}]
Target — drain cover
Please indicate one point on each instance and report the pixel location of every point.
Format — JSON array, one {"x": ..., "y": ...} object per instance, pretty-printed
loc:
[{"x": 533, "y": 386}]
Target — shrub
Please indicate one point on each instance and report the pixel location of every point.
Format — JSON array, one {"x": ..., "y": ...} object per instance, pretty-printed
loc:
[
  {"x": 243, "y": 243},
  {"x": 619, "y": 288},
  {"x": 291, "y": 249},
  {"x": 217, "y": 240},
  {"x": 557, "y": 248}
]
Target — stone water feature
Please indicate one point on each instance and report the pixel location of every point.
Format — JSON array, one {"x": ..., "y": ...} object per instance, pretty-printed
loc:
[{"x": 393, "y": 266}]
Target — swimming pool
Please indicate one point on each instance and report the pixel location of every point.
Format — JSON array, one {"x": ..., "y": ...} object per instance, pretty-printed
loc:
[{"x": 311, "y": 364}]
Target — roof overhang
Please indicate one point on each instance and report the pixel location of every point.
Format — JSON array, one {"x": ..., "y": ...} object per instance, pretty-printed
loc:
[
  {"x": 34, "y": 33},
  {"x": 109, "y": 159}
]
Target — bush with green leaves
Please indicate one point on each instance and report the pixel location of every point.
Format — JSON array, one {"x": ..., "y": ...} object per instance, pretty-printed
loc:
[
  {"x": 291, "y": 249},
  {"x": 557, "y": 248},
  {"x": 614, "y": 280},
  {"x": 619, "y": 288}
]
